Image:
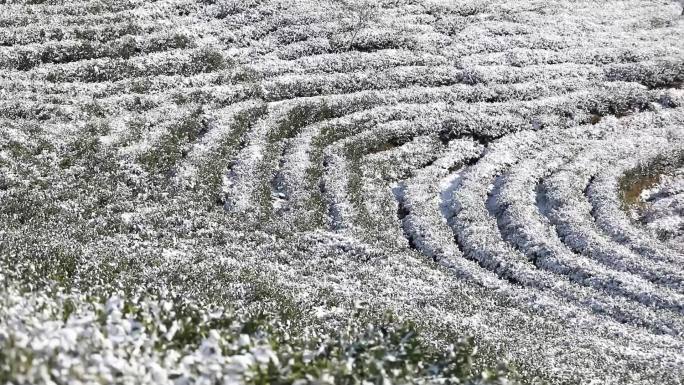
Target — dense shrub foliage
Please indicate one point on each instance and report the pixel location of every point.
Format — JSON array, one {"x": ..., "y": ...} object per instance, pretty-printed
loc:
[
  {"x": 55, "y": 335},
  {"x": 200, "y": 191}
]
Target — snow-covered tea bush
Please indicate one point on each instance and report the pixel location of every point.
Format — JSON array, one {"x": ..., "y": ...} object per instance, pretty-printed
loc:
[
  {"x": 55, "y": 337},
  {"x": 200, "y": 191}
]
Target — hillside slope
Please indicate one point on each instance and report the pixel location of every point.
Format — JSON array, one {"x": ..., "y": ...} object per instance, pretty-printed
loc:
[{"x": 474, "y": 166}]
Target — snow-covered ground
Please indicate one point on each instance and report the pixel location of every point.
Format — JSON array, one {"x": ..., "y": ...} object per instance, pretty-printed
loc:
[{"x": 506, "y": 170}]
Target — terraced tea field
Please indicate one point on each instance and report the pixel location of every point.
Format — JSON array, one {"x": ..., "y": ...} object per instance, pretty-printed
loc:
[{"x": 511, "y": 171}]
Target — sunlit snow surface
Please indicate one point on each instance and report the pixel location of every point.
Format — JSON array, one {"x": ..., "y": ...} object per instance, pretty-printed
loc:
[{"x": 510, "y": 170}]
